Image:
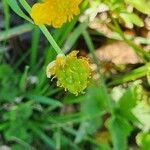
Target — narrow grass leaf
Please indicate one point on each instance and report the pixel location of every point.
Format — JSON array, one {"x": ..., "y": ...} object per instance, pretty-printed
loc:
[
  {"x": 44, "y": 100},
  {"x": 134, "y": 74},
  {"x": 23, "y": 79},
  {"x": 14, "y": 6},
  {"x": 47, "y": 140},
  {"x": 18, "y": 30},
  {"x": 74, "y": 36}
]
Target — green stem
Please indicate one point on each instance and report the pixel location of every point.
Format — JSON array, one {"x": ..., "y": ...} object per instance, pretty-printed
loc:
[
  {"x": 50, "y": 39},
  {"x": 101, "y": 78},
  {"x": 43, "y": 29}
]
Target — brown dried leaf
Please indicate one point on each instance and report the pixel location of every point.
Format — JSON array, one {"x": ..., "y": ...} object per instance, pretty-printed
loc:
[{"x": 117, "y": 52}]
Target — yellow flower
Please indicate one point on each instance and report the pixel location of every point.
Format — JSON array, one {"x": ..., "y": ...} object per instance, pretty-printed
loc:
[
  {"x": 71, "y": 72},
  {"x": 55, "y": 12}
]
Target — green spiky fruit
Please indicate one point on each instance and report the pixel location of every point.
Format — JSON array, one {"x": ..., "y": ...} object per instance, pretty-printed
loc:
[{"x": 71, "y": 72}]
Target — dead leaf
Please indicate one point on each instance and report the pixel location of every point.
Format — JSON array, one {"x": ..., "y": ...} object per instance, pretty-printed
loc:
[{"x": 117, "y": 52}]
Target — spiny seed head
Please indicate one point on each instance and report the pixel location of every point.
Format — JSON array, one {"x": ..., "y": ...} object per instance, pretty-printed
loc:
[{"x": 71, "y": 72}]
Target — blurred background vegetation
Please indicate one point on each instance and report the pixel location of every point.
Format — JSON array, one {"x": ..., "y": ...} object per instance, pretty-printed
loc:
[{"x": 114, "y": 111}]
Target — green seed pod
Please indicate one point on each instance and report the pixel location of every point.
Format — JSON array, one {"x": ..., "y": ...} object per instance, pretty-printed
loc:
[{"x": 71, "y": 72}]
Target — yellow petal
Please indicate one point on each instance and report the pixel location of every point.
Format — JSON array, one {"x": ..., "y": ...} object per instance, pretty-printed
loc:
[{"x": 55, "y": 12}]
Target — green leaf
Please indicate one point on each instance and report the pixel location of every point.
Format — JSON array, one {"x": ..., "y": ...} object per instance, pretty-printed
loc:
[
  {"x": 73, "y": 37},
  {"x": 44, "y": 100},
  {"x": 67, "y": 142},
  {"x": 140, "y": 5},
  {"x": 18, "y": 118},
  {"x": 76, "y": 117},
  {"x": 88, "y": 128},
  {"x": 45, "y": 138},
  {"x": 21, "y": 145},
  {"x": 142, "y": 113},
  {"x": 148, "y": 73},
  {"x": 23, "y": 80},
  {"x": 148, "y": 77},
  {"x": 16, "y": 31},
  {"x": 94, "y": 103},
  {"x": 19, "y": 112},
  {"x": 82, "y": 131},
  {"x": 128, "y": 100},
  {"x": 126, "y": 103},
  {"x": 8, "y": 82},
  {"x": 14, "y": 6},
  {"x": 132, "y": 75},
  {"x": 5, "y": 70},
  {"x": 131, "y": 19},
  {"x": 143, "y": 140},
  {"x": 6, "y": 95},
  {"x": 120, "y": 130}
]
